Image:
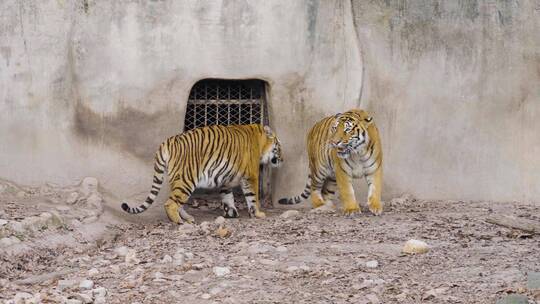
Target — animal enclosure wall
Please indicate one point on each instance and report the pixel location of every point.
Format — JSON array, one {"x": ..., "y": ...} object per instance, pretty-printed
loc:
[{"x": 90, "y": 88}]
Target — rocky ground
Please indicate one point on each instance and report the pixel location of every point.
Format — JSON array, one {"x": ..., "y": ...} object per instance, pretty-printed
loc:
[{"x": 82, "y": 255}]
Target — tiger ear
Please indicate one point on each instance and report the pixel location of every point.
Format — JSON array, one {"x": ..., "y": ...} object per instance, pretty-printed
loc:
[
  {"x": 268, "y": 131},
  {"x": 368, "y": 119}
]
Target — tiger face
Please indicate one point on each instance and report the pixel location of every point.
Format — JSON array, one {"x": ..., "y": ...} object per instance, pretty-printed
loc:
[
  {"x": 350, "y": 134},
  {"x": 272, "y": 149}
]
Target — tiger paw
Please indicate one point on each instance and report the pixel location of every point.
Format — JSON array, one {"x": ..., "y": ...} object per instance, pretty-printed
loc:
[
  {"x": 351, "y": 210},
  {"x": 260, "y": 214},
  {"x": 375, "y": 208},
  {"x": 229, "y": 212},
  {"x": 317, "y": 203},
  {"x": 171, "y": 208},
  {"x": 186, "y": 216}
]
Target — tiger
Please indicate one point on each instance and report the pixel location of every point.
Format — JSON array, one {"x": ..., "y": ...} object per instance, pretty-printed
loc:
[
  {"x": 213, "y": 157},
  {"x": 342, "y": 147}
]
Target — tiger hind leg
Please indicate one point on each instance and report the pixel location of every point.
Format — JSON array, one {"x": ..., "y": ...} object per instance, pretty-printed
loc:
[
  {"x": 374, "y": 182},
  {"x": 227, "y": 198},
  {"x": 317, "y": 199},
  {"x": 180, "y": 193},
  {"x": 329, "y": 190}
]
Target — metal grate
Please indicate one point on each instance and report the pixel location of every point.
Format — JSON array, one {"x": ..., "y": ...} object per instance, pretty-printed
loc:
[
  {"x": 225, "y": 102},
  {"x": 229, "y": 102}
]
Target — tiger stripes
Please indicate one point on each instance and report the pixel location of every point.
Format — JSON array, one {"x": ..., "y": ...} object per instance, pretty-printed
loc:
[
  {"x": 212, "y": 157},
  {"x": 340, "y": 148}
]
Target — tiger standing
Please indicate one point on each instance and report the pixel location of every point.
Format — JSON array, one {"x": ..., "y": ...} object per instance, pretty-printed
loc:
[
  {"x": 213, "y": 157},
  {"x": 340, "y": 148}
]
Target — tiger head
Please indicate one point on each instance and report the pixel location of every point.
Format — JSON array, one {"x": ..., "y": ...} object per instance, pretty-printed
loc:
[
  {"x": 350, "y": 132},
  {"x": 271, "y": 149}
]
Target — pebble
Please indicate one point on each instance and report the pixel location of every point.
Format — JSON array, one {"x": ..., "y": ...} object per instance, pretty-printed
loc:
[
  {"x": 85, "y": 298},
  {"x": 281, "y": 249},
  {"x": 257, "y": 248},
  {"x": 86, "y": 284},
  {"x": 66, "y": 284},
  {"x": 372, "y": 264},
  {"x": 221, "y": 271},
  {"x": 373, "y": 299},
  {"x": 8, "y": 241},
  {"x": 415, "y": 246},
  {"x": 290, "y": 214},
  {"x": 73, "y": 301},
  {"x": 292, "y": 269},
  {"x": 179, "y": 259},
  {"x": 72, "y": 198},
  {"x": 99, "y": 292},
  {"x": 121, "y": 251},
  {"x": 3, "y": 222},
  {"x": 131, "y": 257},
  {"x": 220, "y": 220},
  {"x": 22, "y": 297},
  {"x": 92, "y": 272},
  {"x": 167, "y": 259},
  {"x": 89, "y": 185},
  {"x": 206, "y": 296}
]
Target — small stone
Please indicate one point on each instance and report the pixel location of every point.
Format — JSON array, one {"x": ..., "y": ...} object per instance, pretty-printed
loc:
[
  {"x": 85, "y": 298},
  {"x": 73, "y": 301},
  {"x": 158, "y": 275},
  {"x": 5, "y": 242},
  {"x": 281, "y": 249},
  {"x": 220, "y": 220},
  {"x": 62, "y": 208},
  {"x": 131, "y": 257},
  {"x": 100, "y": 300},
  {"x": 257, "y": 248},
  {"x": 20, "y": 194},
  {"x": 99, "y": 292},
  {"x": 22, "y": 297},
  {"x": 221, "y": 271},
  {"x": 167, "y": 259},
  {"x": 186, "y": 228},
  {"x": 89, "y": 185},
  {"x": 3, "y": 222},
  {"x": 268, "y": 262},
  {"x": 373, "y": 299},
  {"x": 206, "y": 296},
  {"x": 372, "y": 264},
  {"x": 223, "y": 232},
  {"x": 16, "y": 226},
  {"x": 86, "y": 284},
  {"x": 90, "y": 219},
  {"x": 415, "y": 247},
  {"x": 72, "y": 198},
  {"x": 290, "y": 214},
  {"x": 121, "y": 251},
  {"x": 93, "y": 272},
  {"x": 179, "y": 259},
  {"x": 304, "y": 268},
  {"x": 66, "y": 284},
  {"x": 292, "y": 269}
]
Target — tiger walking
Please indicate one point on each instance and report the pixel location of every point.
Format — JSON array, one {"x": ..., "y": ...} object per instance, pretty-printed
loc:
[
  {"x": 213, "y": 157},
  {"x": 340, "y": 148}
]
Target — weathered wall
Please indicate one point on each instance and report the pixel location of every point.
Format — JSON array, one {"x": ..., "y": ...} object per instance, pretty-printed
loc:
[
  {"x": 455, "y": 86},
  {"x": 90, "y": 88}
]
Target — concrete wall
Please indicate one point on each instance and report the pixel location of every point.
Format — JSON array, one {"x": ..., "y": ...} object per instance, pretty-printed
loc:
[
  {"x": 455, "y": 86},
  {"x": 90, "y": 87}
]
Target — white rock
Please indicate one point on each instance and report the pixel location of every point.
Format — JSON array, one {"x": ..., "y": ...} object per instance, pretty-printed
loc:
[
  {"x": 99, "y": 292},
  {"x": 5, "y": 242},
  {"x": 158, "y": 275},
  {"x": 72, "y": 198},
  {"x": 373, "y": 299},
  {"x": 304, "y": 268},
  {"x": 221, "y": 271},
  {"x": 73, "y": 301},
  {"x": 206, "y": 296},
  {"x": 220, "y": 220},
  {"x": 92, "y": 272},
  {"x": 187, "y": 228},
  {"x": 281, "y": 249},
  {"x": 268, "y": 262},
  {"x": 179, "y": 259},
  {"x": 66, "y": 284},
  {"x": 292, "y": 269},
  {"x": 167, "y": 259},
  {"x": 22, "y": 297},
  {"x": 121, "y": 251},
  {"x": 89, "y": 185},
  {"x": 100, "y": 300},
  {"x": 257, "y": 248},
  {"x": 16, "y": 226},
  {"x": 131, "y": 257},
  {"x": 290, "y": 214},
  {"x": 415, "y": 246},
  {"x": 86, "y": 284},
  {"x": 85, "y": 298},
  {"x": 372, "y": 264},
  {"x": 3, "y": 222},
  {"x": 62, "y": 208}
]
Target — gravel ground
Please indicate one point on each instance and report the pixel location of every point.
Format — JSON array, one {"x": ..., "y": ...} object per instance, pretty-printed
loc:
[{"x": 306, "y": 258}]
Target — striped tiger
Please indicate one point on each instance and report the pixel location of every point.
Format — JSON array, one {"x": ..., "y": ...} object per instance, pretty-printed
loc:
[
  {"x": 213, "y": 157},
  {"x": 340, "y": 148}
]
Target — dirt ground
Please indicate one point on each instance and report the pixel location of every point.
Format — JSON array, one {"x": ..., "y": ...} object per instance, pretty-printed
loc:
[{"x": 306, "y": 258}]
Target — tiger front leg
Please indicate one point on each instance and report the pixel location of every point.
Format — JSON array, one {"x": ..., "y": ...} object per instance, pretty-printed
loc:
[
  {"x": 346, "y": 191},
  {"x": 317, "y": 183},
  {"x": 374, "y": 182},
  {"x": 250, "y": 188}
]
